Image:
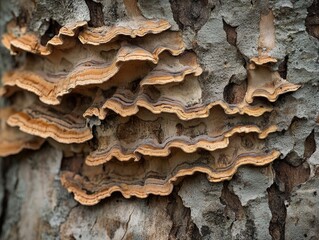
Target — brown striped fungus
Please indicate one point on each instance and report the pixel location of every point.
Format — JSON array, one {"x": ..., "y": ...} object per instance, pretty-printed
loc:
[{"x": 126, "y": 104}]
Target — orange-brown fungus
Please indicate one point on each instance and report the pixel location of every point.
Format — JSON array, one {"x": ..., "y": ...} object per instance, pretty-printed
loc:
[
  {"x": 13, "y": 141},
  {"x": 156, "y": 175},
  {"x": 125, "y": 104}
]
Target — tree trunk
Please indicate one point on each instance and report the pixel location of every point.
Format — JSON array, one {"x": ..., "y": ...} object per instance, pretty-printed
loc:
[{"x": 236, "y": 44}]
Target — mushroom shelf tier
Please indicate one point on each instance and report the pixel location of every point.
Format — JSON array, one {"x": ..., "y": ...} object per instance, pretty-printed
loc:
[{"x": 129, "y": 106}]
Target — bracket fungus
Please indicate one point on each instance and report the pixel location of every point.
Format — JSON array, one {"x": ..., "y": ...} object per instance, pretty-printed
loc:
[
  {"x": 156, "y": 175},
  {"x": 149, "y": 135},
  {"x": 64, "y": 123},
  {"x": 13, "y": 141},
  {"x": 125, "y": 102}
]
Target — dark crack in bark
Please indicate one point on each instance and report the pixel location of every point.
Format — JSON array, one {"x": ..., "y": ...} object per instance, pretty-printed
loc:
[
  {"x": 287, "y": 178},
  {"x": 231, "y": 200},
  {"x": 52, "y": 30},
  {"x": 282, "y": 68},
  {"x": 312, "y": 20},
  {"x": 235, "y": 92},
  {"x": 96, "y": 13},
  {"x": 310, "y": 145},
  {"x": 276, "y": 200},
  {"x": 183, "y": 226},
  {"x": 193, "y": 14},
  {"x": 231, "y": 33}
]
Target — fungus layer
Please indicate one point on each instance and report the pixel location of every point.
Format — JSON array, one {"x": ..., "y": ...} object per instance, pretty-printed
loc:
[
  {"x": 156, "y": 175},
  {"x": 262, "y": 82},
  {"x": 64, "y": 123},
  {"x": 185, "y": 99},
  {"x": 146, "y": 134},
  {"x": 29, "y": 42},
  {"x": 129, "y": 107},
  {"x": 13, "y": 141},
  {"x": 132, "y": 24},
  {"x": 56, "y": 75}
]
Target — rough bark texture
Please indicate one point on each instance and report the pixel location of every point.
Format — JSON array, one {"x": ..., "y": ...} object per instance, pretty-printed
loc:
[{"x": 277, "y": 201}]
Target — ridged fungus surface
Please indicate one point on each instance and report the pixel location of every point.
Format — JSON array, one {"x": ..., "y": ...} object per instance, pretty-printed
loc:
[{"x": 125, "y": 103}]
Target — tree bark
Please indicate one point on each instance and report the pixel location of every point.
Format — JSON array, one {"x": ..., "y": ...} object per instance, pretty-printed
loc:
[{"x": 276, "y": 201}]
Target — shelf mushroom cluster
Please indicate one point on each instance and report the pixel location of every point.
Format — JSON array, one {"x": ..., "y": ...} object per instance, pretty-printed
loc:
[{"x": 125, "y": 104}]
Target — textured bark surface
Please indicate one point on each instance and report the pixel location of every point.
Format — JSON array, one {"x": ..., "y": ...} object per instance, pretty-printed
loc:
[{"x": 276, "y": 201}]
